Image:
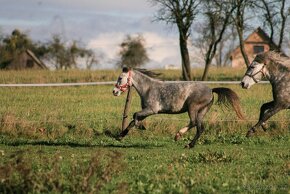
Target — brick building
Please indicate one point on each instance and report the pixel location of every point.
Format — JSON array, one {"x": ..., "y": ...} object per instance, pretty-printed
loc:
[{"x": 256, "y": 42}]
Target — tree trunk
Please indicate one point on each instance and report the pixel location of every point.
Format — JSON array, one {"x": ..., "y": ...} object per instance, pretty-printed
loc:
[
  {"x": 185, "y": 61},
  {"x": 283, "y": 17},
  {"x": 209, "y": 56},
  {"x": 186, "y": 70},
  {"x": 205, "y": 72},
  {"x": 242, "y": 47}
]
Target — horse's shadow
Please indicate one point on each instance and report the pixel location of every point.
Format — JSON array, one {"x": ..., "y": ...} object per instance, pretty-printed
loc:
[
  {"x": 48, "y": 143},
  {"x": 74, "y": 144}
]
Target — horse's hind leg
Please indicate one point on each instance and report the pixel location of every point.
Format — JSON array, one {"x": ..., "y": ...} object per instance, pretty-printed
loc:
[
  {"x": 199, "y": 131},
  {"x": 199, "y": 124}
]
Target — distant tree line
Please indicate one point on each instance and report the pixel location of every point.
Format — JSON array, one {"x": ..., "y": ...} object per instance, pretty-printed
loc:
[
  {"x": 64, "y": 55},
  {"x": 60, "y": 54}
]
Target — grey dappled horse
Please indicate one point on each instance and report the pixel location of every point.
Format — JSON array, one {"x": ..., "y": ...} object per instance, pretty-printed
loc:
[
  {"x": 273, "y": 67},
  {"x": 173, "y": 98}
]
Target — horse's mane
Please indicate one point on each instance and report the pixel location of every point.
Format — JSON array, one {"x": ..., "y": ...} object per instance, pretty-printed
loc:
[
  {"x": 276, "y": 57},
  {"x": 147, "y": 72}
]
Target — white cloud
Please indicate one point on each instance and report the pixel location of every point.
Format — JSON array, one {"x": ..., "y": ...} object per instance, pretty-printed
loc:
[
  {"x": 162, "y": 50},
  {"x": 101, "y": 25},
  {"x": 161, "y": 47},
  {"x": 108, "y": 45}
]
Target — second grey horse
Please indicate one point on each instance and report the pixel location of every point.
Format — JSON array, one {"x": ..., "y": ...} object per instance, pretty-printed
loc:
[
  {"x": 173, "y": 98},
  {"x": 273, "y": 67}
]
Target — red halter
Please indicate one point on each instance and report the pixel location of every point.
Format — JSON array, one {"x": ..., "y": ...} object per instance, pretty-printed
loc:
[{"x": 125, "y": 86}]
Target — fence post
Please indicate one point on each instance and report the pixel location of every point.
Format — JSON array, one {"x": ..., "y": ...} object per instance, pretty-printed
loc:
[{"x": 126, "y": 109}]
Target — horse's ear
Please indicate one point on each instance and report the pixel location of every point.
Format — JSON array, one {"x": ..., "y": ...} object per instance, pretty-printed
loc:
[{"x": 125, "y": 69}]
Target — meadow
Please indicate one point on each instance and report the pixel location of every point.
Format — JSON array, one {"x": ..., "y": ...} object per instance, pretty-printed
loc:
[{"x": 61, "y": 140}]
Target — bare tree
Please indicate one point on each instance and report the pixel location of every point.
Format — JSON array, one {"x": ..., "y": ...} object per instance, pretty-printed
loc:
[
  {"x": 269, "y": 13},
  {"x": 242, "y": 8},
  {"x": 133, "y": 52},
  {"x": 181, "y": 13},
  {"x": 275, "y": 14},
  {"x": 67, "y": 56},
  {"x": 90, "y": 58},
  {"x": 217, "y": 14},
  {"x": 57, "y": 53},
  {"x": 225, "y": 47},
  {"x": 77, "y": 52},
  {"x": 284, "y": 13}
]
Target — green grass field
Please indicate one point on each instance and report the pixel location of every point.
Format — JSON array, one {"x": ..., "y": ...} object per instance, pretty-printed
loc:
[{"x": 60, "y": 140}]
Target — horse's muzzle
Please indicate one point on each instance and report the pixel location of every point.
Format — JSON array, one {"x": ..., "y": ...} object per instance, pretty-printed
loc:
[
  {"x": 244, "y": 85},
  {"x": 116, "y": 92}
]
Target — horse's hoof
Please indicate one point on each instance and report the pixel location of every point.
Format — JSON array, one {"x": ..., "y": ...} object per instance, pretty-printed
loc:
[
  {"x": 187, "y": 146},
  {"x": 250, "y": 133},
  {"x": 177, "y": 136},
  {"x": 264, "y": 127},
  {"x": 141, "y": 127},
  {"x": 119, "y": 138}
]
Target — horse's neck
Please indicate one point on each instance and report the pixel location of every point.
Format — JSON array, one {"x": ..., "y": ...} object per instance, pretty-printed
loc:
[
  {"x": 276, "y": 71},
  {"x": 141, "y": 82}
]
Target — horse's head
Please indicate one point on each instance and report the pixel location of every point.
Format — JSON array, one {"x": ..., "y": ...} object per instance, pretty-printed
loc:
[
  {"x": 123, "y": 83},
  {"x": 254, "y": 73}
]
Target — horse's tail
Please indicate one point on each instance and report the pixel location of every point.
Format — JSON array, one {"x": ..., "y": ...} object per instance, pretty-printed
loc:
[{"x": 228, "y": 97}]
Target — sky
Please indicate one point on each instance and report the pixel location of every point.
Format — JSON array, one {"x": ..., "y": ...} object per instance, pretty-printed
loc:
[{"x": 100, "y": 25}]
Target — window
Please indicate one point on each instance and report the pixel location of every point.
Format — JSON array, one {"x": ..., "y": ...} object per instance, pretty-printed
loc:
[
  {"x": 29, "y": 63},
  {"x": 258, "y": 49}
]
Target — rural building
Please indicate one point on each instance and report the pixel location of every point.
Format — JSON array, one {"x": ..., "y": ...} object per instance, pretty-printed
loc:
[
  {"x": 25, "y": 60},
  {"x": 171, "y": 66},
  {"x": 256, "y": 42}
]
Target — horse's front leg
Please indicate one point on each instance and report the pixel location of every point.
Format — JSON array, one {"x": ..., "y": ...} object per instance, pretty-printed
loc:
[
  {"x": 141, "y": 115},
  {"x": 126, "y": 131},
  {"x": 267, "y": 110},
  {"x": 263, "y": 110},
  {"x": 138, "y": 116}
]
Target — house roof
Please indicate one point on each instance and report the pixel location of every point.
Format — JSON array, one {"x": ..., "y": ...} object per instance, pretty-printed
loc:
[
  {"x": 264, "y": 39},
  {"x": 264, "y": 36},
  {"x": 18, "y": 61},
  {"x": 36, "y": 60}
]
